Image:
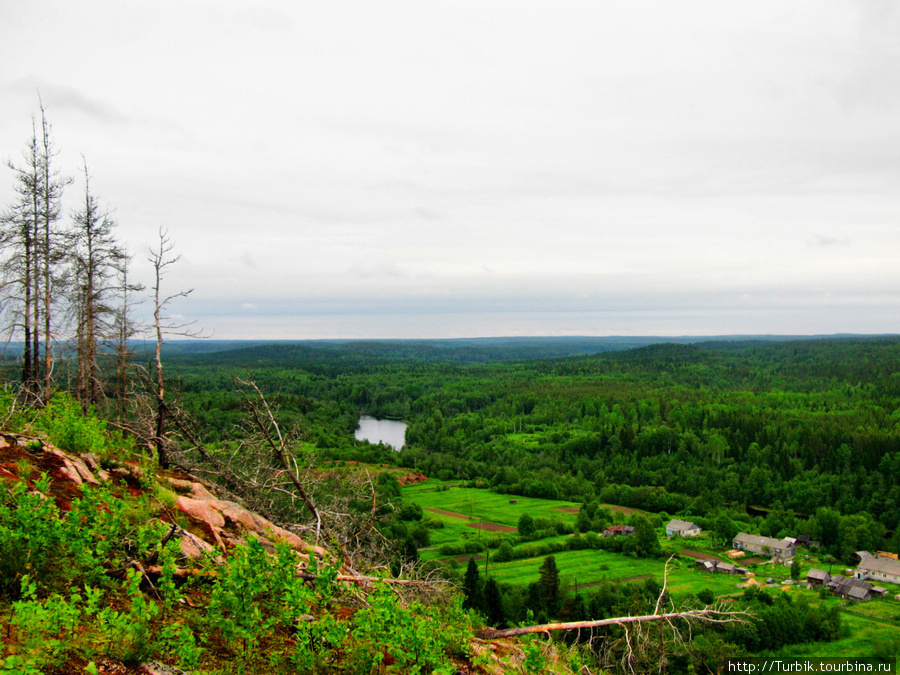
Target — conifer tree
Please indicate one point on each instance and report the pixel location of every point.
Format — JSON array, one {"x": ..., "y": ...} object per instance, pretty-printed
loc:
[
  {"x": 549, "y": 585},
  {"x": 493, "y": 604},
  {"x": 472, "y": 586}
]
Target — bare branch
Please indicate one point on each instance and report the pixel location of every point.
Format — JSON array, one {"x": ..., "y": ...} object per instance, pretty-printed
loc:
[
  {"x": 268, "y": 427},
  {"x": 708, "y": 615}
]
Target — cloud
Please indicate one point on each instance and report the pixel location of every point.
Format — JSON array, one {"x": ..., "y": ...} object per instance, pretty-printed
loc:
[
  {"x": 61, "y": 97},
  {"x": 821, "y": 241},
  {"x": 247, "y": 260}
]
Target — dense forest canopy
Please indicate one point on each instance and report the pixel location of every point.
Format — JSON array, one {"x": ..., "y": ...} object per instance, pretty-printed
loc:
[{"x": 786, "y": 426}]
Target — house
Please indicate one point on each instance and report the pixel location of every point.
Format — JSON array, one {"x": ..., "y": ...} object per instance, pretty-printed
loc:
[
  {"x": 843, "y": 587},
  {"x": 817, "y": 577},
  {"x": 806, "y": 540},
  {"x": 859, "y": 594},
  {"x": 726, "y": 568},
  {"x": 681, "y": 528},
  {"x": 707, "y": 565},
  {"x": 618, "y": 530},
  {"x": 781, "y": 549},
  {"x": 878, "y": 568}
]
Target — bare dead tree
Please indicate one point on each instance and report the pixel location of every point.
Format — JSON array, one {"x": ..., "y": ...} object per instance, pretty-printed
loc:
[
  {"x": 31, "y": 239},
  {"x": 708, "y": 615},
  {"x": 269, "y": 430},
  {"x": 52, "y": 251},
  {"x": 96, "y": 259},
  {"x": 125, "y": 328},
  {"x": 162, "y": 258},
  {"x": 270, "y": 471}
]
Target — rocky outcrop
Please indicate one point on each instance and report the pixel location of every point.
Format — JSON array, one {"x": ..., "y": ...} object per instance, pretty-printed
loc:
[
  {"x": 226, "y": 520},
  {"x": 212, "y": 523}
]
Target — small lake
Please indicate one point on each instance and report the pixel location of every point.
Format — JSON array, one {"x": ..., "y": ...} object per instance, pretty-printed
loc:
[{"x": 374, "y": 430}]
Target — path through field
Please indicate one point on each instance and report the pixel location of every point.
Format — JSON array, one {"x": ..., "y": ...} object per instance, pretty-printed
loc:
[
  {"x": 492, "y": 527},
  {"x": 449, "y": 514}
]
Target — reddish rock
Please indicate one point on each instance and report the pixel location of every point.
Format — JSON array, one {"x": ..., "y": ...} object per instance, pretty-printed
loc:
[
  {"x": 236, "y": 514},
  {"x": 69, "y": 471},
  {"x": 201, "y": 510}
]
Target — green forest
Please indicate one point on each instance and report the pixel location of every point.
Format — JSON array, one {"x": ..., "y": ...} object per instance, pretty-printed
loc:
[{"x": 803, "y": 434}]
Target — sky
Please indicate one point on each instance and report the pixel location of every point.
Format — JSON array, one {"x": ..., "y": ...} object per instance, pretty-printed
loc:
[{"x": 425, "y": 169}]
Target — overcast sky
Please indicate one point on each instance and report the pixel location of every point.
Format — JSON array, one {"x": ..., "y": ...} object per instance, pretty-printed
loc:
[{"x": 448, "y": 169}]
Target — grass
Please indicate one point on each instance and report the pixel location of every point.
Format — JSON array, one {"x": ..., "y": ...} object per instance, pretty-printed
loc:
[
  {"x": 866, "y": 637},
  {"x": 483, "y": 505},
  {"x": 593, "y": 566},
  {"x": 879, "y": 609}
]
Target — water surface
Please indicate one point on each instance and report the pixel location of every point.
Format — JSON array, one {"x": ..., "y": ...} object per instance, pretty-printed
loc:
[{"x": 374, "y": 430}]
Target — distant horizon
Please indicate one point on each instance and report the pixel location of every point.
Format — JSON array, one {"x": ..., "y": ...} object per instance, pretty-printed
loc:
[{"x": 511, "y": 338}]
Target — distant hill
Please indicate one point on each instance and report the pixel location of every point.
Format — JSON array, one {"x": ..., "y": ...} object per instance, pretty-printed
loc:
[
  {"x": 458, "y": 350},
  {"x": 461, "y": 350}
]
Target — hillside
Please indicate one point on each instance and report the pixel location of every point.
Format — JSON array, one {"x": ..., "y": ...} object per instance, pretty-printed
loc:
[{"x": 112, "y": 566}]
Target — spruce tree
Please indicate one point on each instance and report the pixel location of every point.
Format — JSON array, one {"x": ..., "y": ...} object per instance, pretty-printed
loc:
[
  {"x": 549, "y": 585},
  {"x": 472, "y": 586},
  {"x": 493, "y": 604}
]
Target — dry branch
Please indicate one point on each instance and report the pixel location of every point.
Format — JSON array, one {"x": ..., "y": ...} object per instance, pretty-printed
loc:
[
  {"x": 264, "y": 419},
  {"x": 708, "y": 615}
]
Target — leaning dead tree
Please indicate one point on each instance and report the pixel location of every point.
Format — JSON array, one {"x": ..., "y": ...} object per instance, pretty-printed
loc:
[
  {"x": 637, "y": 645},
  {"x": 263, "y": 419},
  {"x": 708, "y": 615},
  {"x": 269, "y": 469}
]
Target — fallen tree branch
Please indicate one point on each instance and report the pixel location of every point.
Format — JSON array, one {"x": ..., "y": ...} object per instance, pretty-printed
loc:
[
  {"x": 364, "y": 579},
  {"x": 708, "y": 615},
  {"x": 270, "y": 433}
]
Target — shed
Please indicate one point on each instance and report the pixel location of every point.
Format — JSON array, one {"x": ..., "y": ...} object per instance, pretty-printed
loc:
[{"x": 817, "y": 577}]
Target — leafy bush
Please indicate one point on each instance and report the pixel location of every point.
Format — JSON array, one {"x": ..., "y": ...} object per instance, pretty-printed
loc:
[{"x": 68, "y": 428}]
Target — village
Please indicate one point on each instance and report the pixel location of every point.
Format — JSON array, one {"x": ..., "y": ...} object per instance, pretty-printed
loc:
[{"x": 858, "y": 587}]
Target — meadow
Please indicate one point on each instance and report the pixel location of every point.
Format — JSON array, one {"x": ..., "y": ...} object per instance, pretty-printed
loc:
[{"x": 577, "y": 568}]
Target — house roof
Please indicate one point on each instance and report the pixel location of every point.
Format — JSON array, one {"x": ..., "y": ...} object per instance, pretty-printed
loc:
[
  {"x": 821, "y": 575},
  {"x": 757, "y": 540},
  {"x": 858, "y": 593},
  {"x": 841, "y": 584},
  {"x": 676, "y": 525},
  {"x": 875, "y": 563}
]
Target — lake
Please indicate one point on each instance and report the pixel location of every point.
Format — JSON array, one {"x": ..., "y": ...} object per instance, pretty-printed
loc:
[{"x": 374, "y": 430}]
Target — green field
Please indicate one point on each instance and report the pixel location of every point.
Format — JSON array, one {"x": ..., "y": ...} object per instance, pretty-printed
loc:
[
  {"x": 484, "y": 505},
  {"x": 576, "y": 567},
  {"x": 477, "y": 506},
  {"x": 870, "y": 628}
]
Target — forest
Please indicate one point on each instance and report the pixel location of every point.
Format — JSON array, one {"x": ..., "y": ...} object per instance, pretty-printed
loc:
[{"x": 802, "y": 435}]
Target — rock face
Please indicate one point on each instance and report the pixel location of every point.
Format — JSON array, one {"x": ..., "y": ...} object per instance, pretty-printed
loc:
[
  {"x": 226, "y": 519},
  {"x": 213, "y": 523}
]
